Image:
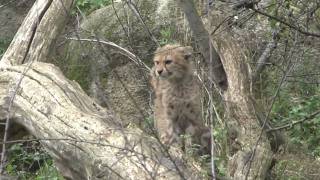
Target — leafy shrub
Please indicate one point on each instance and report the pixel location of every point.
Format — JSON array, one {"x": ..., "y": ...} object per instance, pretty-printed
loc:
[
  {"x": 4, "y": 43},
  {"x": 290, "y": 108},
  {"x": 166, "y": 36},
  {"x": 88, "y": 6},
  {"x": 30, "y": 161}
]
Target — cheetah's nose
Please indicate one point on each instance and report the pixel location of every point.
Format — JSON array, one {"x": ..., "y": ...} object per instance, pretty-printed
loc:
[{"x": 159, "y": 71}]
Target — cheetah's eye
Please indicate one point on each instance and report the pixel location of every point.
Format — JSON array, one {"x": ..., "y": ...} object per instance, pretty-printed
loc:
[
  {"x": 156, "y": 62},
  {"x": 168, "y": 61}
]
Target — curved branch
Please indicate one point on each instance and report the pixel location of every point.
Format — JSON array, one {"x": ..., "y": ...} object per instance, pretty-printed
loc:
[
  {"x": 287, "y": 126},
  {"x": 124, "y": 51}
]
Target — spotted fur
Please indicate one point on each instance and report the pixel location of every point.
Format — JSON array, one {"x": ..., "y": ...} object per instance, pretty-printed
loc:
[{"x": 177, "y": 103}]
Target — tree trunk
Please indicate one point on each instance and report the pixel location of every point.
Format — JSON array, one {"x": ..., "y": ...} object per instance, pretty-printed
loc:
[
  {"x": 249, "y": 147},
  {"x": 203, "y": 41},
  {"x": 38, "y": 31},
  {"x": 84, "y": 139}
]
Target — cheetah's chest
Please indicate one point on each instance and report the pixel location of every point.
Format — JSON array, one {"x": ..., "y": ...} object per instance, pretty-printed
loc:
[{"x": 180, "y": 101}]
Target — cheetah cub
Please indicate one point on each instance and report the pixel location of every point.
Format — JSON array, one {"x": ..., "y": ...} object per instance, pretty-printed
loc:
[{"x": 177, "y": 103}]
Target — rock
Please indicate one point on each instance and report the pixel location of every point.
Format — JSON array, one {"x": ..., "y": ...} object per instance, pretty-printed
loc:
[
  {"x": 124, "y": 84},
  {"x": 11, "y": 16}
]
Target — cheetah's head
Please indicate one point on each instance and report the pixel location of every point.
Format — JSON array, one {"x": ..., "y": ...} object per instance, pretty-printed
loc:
[{"x": 172, "y": 61}]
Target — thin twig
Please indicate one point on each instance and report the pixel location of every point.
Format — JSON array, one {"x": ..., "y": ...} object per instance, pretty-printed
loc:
[
  {"x": 267, "y": 117},
  {"x": 264, "y": 125},
  {"x": 119, "y": 20},
  {"x": 136, "y": 12},
  {"x": 3, "y": 5},
  {"x": 126, "y": 52},
  {"x": 302, "y": 82},
  {"x": 304, "y": 75},
  {"x": 211, "y": 114},
  {"x": 12, "y": 96},
  {"x": 302, "y": 31},
  {"x": 264, "y": 58},
  {"x": 95, "y": 142},
  {"x": 287, "y": 126},
  {"x": 211, "y": 98}
]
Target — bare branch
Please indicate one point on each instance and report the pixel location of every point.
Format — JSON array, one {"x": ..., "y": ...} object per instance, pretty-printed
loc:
[
  {"x": 265, "y": 121},
  {"x": 290, "y": 125},
  {"x": 125, "y": 52},
  {"x": 302, "y": 31},
  {"x": 202, "y": 38},
  {"x": 136, "y": 12},
  {"x": 7, "y": 3},
  {"x": 263, "y": 60},
  {"x": 12, "y": 96},
  {"x": 211, "y": 87},
  {"x": 37, "y": 32}
]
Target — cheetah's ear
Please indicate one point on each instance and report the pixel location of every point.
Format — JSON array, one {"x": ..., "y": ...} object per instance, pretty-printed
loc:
[{"x": 188, "y": 50}]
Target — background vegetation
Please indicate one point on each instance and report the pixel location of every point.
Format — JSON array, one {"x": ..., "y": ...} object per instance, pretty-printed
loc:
[{"x": 298, "y": 98}]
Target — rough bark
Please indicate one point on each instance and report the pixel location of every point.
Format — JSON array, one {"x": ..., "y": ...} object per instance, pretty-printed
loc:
[
  {"x": 203, "y": 41},
  {"x": 85, "y": 140},
  {"x": 250, "y": 150},
  {"x": 39, "y": 29}
]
